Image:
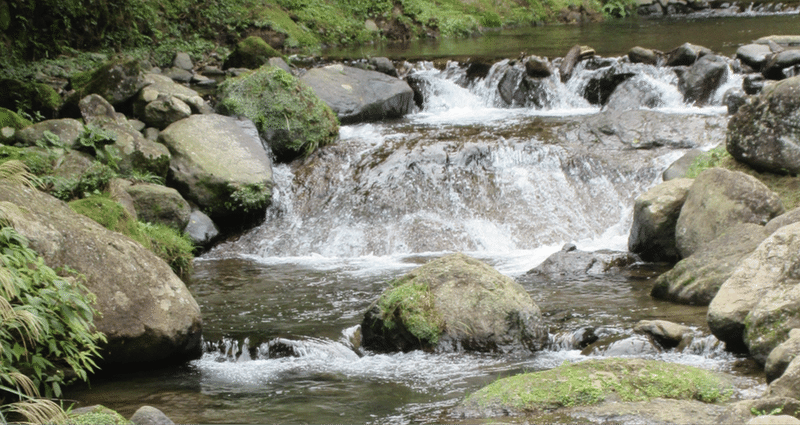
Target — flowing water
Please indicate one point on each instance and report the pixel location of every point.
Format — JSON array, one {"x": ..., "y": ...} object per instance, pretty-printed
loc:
[{"x": 508, "y": 185}]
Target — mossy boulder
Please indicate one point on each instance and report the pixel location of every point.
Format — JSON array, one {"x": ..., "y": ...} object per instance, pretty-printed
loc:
[
  {"x": 11, "y": 119},
  {"x": 717, "y": 200},
  {"x": 252, "y": 52},
  {"x": 97, "y": 414},
  {"x": 288, "y": 115},
  {"x": 593, "y": 382},
  {"x": 116, "y": 81},
  {"x": 765, "y": 133},
  {"x": 454, "y": 303},
  {"x": 219, "y": 164},
  {"x": 30, "y": 97},
  {"x": 779, "y": 358},
  {"x": 655, "y": 214},
  {"x": 66, "y": 132}
]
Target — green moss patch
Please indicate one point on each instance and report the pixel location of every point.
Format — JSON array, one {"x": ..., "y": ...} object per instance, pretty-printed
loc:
[
  {"x": 38, "y": 161},
  {"x": 32, "y": 98},
  {"x": 411, "y": 304},
  {"x": 286, "y": 112},
  {"x": 252, "y": 52},
  {"x": 594, "y": 381},
  {"x": 109, "y": 213},
  {"x": 98, "y": 415},
  {"x": 11, "y": 119}
]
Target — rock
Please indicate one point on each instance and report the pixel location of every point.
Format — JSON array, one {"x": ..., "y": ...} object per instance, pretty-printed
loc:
[
  {"x": 160, "y": 204},
  {"x": 137, "y": 125},
  {"x": 783, "y": 40},
  {"x": 517, "y": 89},
  {"x": 384, "y": 66},
  {"x": 592, "y": 382},
  {"x": 183, "y": 61},
  {"x": 788, "y": 383},
  {"x": 162, "y": 87},
  {"x": 655, "y": 215},
  {"x": 252, "y": 52},
  {"x": 420, "y": 85},
  {"x": 572, "y": 262},
  {"x": 280, "y": 63},
  {"x": 696, "y": 279},
  {"x": 357, "y": 95},
  {"x": 116, "y": 81},
  {"x": 97, "y": 414},
  {"x": 97, "y": 111},
  {"x": 117, "y": 191},
  {"x": 178, "y": 75},
  {"x": 733, "y": 99},
  {"x": 164, "y": 111},
  {"x": 754, "y": 55},
  {"x": 717, "y": 200},
  {"x": 785, "y": 219},
  {"x": 634, "y": 94},
  {"x": 29, "y": 97},
  {"x": 774, "y": 420},
  {"x": 779, "y": 359},
  {"x": 146, "y": 312},
  {"x": 220, "y": 164},
  {"x": 148, "y": 415},
  {"x": 600, "y": 88},
  {"x": 454, "y": 303},
  {"x": 151, "y": 133},
  {"x": 68, "y": 131},
  {"x": 575, "y": 55},
  {"x": 679, "y": 168},
  {"x": 201, "y": 229},
  {"x": 667, "y": 334},
  {"x": 137, "y": 153},
  {"x": 765, "y": 133},
  {"x": 686, "y": 54},
  {"x": 641, "y": 55},
  {"x": 753, "y": 84},
  {"x": 290, "y": 117},
  {"x": 773, "y": 68},
  {"x": 702, "y": 79},
  {"x": 538, "y": 67},
  {"x": 742, "y": 411},
  {"x": 761, "y": 283}
]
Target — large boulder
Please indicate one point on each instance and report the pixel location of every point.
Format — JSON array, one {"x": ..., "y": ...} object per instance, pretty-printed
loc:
[
  {"x": 757, "y": 306},
  {"x": 454, "y": 303},
  {"x": 116, "y": 81},
  {"x": 634, "y": 93},
  {"x": 777, "y": 62},
  {"x": 655, "y": 214},
  {"x": 289, "y": 116},
  {"x": 765, "y": 132},
  {"x": 146, "y": 312},
  {"x": 696, "y": 279},
  {"x": 219, "y": 163},
  {"x": 717, "y": 200},
  {"x": 702, "y": 79},
  {"x": 571, "y": 261},
  {"x": 358, "y": 95},
  {"x": 754, "y": 55}
]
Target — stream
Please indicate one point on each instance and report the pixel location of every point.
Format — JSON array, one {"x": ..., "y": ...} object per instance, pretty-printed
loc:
[{"x": 282, "y": 303}]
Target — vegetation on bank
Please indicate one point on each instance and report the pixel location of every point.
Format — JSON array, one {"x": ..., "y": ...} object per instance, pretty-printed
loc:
[
  {"x": 787, "y": 187},
  {"x": 39, "y": 29}
]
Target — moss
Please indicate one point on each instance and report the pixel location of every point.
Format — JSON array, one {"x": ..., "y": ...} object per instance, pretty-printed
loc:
[
  {"x": 252, "y": 52},
  {"x": 106, "y": 80},
  {"x": 411, "y": 305},
  {"x": 30, "y": 97},
  {"x": 592, "y": 381},
  {"x": 98, "y": 415},
  {"x": 11, "y": 119},
  {"x": 287, "y": 112},
  {"x": 108, "y": 213}
]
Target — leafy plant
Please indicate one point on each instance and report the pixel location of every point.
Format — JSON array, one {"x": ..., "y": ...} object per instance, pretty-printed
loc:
[
  {"x": 775, "y": 411},
  {"x": 616, "y": 8},
  {"x": 95, "y": 140}
]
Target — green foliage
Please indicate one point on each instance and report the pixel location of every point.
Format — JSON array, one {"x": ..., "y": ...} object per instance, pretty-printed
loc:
[
  {"x": 172, "y": 246},
  {"x": 618, "y": 8},
  {"x": 34, "y": 99},
  {"x": 248, "y": 198},
  {"x": 411, "y": 305},
  {"x": 95, "y": 141},
  {"x": 138, "y": 176},
  {"x": 775, "y": 411},
  {"x": 38, "y": 162},
  {"x": 92, "y": 182},
  {"x": 286, "y": 112},
  {"x": 109, "y": 213}
]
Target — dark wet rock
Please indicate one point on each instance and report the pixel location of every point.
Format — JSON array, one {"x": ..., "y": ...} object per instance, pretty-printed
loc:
[
  {"x": 592, "y": 384},
  {"x": 679, "y": 168},
  {"x": 178, "y": 75},
  {"x": 754, "y": 55},
  {"x": 201, "y": 229},
  {"x": 765, "y": 133},
  {"x": 479, "y": 69},
  {"x": 777, "y": 62},
  {"x": 743, "y": 411},
  {"x": 697, "y": 278},
  {"x": 572, "y": 262},
  {"x": 451, "y": 304},
  {"x": 702, "y": 79},
  {"x": 68, "y": 131},
  {"x": 686, "y": 54},
  {"x": 146, "y": 311},
  {"x": 538, "y": 67},
  {"x": 220, "y": 164},
  {"x": 599, "y": 88},
  {"x": 148, "y": 415},
  {"x": 517, "y": 89},
  {"x": 575, "y": 55},
  {"x": 734, "y": 99},
  {"x": 290, "y": 117},
  {"x": 252, "y": 52},
  {"x": 717, "y": 200},
  {"x": 384, "y": 66},
  {"x": 29, "y": 97},
  {"x": 757, "y": 306},
  {"x": 357, "y": 95},
  {"x": 655, "y": 215},
  {"x": 642, "y": 55},
  {"x": 779, "y": 359},
  {"x": 420, "y": 85},
  {"x": 633, "y": 94},
  {"x": 159, "y": 204},
  {"x": 667, "y": 334}
]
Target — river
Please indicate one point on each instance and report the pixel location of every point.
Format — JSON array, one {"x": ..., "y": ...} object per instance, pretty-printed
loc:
[{"x": 282, "y": 304}]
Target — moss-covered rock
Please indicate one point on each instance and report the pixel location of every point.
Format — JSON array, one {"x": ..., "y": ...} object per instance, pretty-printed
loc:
[
  {"x": 30, "y": 97},
  {"x": 160, "y": 204},
  {"x": 252, "y": 52},
  {"x": 11, "y": 119},
  {"x": 116, "y": 81},
  {"x": 454, "y": 303},
  {"x": 288, "y": 114},
  {"x": 593, "y": 382},
  {"x": 96, "y": 414},
  {"x": 38, "y": 161}
]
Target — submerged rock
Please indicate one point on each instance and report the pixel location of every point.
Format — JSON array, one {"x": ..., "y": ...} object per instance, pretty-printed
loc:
[{"x": 454, "y": 303}]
